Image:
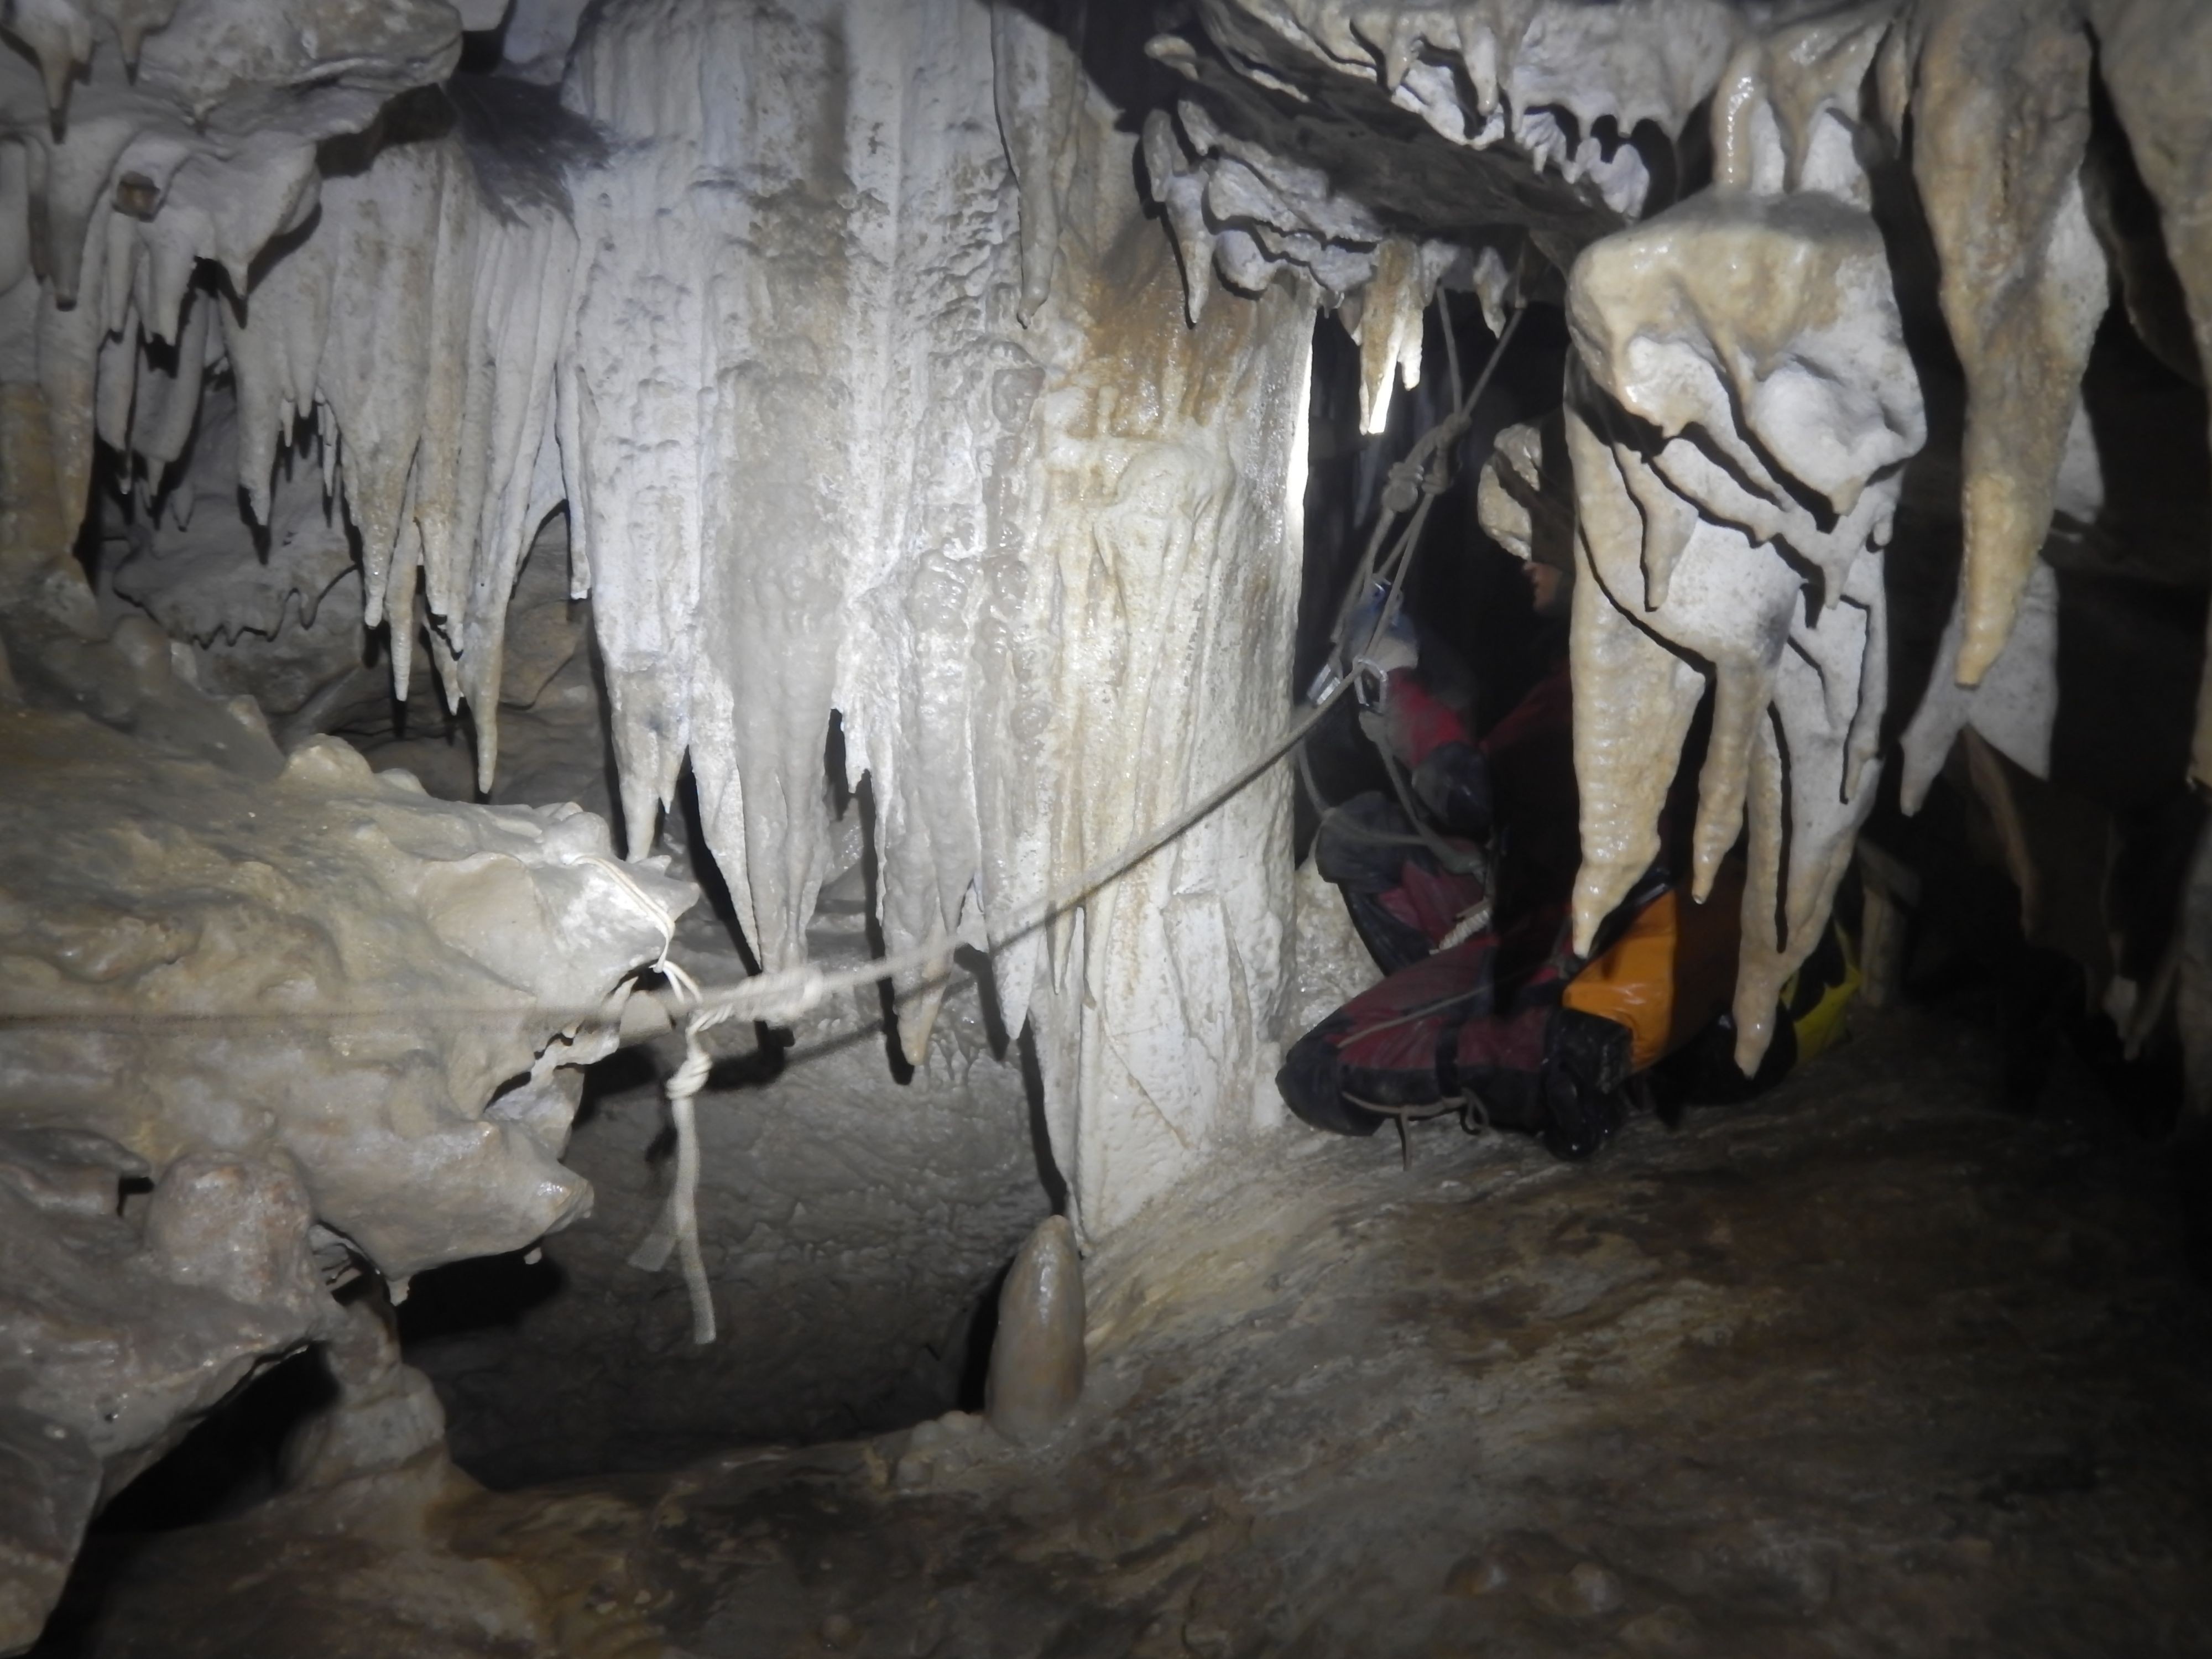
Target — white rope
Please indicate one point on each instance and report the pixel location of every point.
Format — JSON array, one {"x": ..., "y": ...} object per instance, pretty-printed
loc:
[
  {"x": 1475, "y": 918},
  {"x": 677, "y": 1227},
  {"x": 684, "y": 1200}
]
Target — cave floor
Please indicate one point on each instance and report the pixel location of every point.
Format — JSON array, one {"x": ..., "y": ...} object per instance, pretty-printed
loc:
[{"x": 1862, "y": 1368}]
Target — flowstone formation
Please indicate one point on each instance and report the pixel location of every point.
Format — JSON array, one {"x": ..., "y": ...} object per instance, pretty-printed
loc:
[{"x": 310, "y": 1019}]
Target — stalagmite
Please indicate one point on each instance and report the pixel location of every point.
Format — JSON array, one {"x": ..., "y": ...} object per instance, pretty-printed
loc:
[{"x": 1036, "y": 1357}]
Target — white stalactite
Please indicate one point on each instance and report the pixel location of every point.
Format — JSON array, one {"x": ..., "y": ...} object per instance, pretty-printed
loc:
[{"x": 1739, "y": 358}]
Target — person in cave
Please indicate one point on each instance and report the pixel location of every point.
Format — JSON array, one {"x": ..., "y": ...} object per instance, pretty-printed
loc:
[{"x": 1461, "y": 887}]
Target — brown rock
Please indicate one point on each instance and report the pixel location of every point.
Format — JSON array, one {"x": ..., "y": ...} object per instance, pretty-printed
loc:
[{"x": 1037, "y": 1359}]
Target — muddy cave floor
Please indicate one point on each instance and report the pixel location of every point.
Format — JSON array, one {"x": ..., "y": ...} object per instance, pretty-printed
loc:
[{"x": 1865, "y": 1367}]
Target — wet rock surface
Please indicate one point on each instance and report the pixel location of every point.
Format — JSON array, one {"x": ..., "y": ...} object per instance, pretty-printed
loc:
[{"x": 1864, "y": 1369}]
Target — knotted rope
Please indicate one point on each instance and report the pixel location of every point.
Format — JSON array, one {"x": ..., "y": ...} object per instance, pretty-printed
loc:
[{"x": 679, "y": 1225}]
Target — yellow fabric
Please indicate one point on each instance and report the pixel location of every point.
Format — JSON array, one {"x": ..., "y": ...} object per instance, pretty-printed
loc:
[{"x": 1819, "y": 1026}]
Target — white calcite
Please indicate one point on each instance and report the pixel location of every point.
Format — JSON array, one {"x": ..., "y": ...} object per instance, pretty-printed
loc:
[
  {"x": 1741, "y": 401},
  {"x": 816, "y": 462},
  {"x": 874, "y": 491},
  {"x": 1502, "y": 72},
  {"x": 328, "y": 963}
]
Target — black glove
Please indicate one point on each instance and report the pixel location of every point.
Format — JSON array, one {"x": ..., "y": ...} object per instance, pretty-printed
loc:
[{"x": 1586, "y": 1071}]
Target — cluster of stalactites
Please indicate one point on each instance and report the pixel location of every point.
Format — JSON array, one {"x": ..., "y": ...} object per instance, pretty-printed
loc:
[
  {"x": 1742, "y": 393},
  {"x": 1240, "y": 212},
  {"x": 1563, "y": 85},
  {"x": 1548, "y": 96},
  {"x": 1999, "y": 96},
  {"x": 172, "y": 219},
  {"x": 1742, "y": 402},
  {"x": 1735, "y": 357},
  {"x": 152, "y": 141}
]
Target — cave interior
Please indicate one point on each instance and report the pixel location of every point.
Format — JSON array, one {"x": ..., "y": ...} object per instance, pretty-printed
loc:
[{"x": 694, "y": 695}]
